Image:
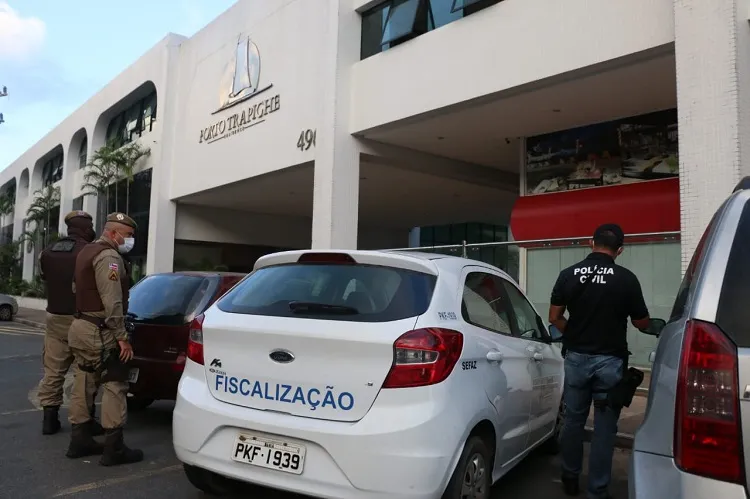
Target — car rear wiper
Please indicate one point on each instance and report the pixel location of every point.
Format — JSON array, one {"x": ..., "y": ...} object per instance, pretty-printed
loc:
[{"x": 323, "y": 308}]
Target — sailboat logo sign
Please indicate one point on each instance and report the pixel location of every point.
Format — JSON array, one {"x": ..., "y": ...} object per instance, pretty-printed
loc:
[{"x": 241, "y": 83}]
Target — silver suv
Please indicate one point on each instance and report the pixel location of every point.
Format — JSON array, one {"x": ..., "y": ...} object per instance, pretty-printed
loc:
[{"x": 691, "y": 443}]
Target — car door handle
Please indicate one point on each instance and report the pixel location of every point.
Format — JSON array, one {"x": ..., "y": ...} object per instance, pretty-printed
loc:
[
  {"x": 537, "y": 357},
  {"x": 494, "y": 356}
]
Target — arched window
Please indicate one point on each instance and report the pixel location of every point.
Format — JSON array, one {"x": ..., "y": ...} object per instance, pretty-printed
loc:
[{"x": 82, "y": 153}]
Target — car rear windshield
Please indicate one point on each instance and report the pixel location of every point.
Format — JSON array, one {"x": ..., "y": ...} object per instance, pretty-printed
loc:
[
  {"x": 358, "y": 293},
  {"x": 168, "y": 298},
  {"x": 733, "y": 313}
]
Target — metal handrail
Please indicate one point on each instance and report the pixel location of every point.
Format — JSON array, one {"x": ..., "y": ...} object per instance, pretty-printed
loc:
[{"x": 464, "y": 245}]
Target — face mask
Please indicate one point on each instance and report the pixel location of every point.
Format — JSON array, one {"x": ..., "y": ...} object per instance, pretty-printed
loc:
[
  {"x": 127, "y": 245},
  {"x": 90, "y": 235}
]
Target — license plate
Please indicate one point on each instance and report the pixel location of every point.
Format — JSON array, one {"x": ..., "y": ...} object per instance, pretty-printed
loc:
[
  {"x": 133, "y": 376},
  {"x": 269, "y": 453}
]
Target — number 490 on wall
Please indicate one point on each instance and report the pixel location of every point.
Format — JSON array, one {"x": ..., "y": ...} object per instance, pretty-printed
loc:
[{"x": 306, "y": 139}]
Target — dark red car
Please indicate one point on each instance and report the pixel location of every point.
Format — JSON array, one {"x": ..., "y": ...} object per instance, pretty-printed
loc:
[{"x": 161, "y": 309}]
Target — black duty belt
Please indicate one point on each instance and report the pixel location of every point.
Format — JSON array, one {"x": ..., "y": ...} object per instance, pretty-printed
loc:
[{"x": 96, "y": 321}]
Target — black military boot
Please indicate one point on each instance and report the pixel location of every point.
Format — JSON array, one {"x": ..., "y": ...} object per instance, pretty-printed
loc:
[
  {"x": 116, "y": 452},
  {"x": 96, "y": 427},
  {"x": 82, "y": 442},
  {"x": 51, "y": 423}
]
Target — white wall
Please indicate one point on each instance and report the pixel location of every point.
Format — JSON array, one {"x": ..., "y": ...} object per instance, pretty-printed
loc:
[
  {"x": 200, "y": 223},
  {"x": 513, "y": 43},
  {"x": 290, "y": 40}
]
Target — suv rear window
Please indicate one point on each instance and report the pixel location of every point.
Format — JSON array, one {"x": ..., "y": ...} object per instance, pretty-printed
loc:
[
  {"x": 733, "y": 313},
  {"x": 358, "y": 293},
  {"x": 678, "y": 309},
  {"x": 168, "y": 298}
]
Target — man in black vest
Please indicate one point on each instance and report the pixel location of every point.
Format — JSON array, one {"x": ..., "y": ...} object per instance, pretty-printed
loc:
[
  {"x": 100, "y": 343},
  {"x": 599, "y": 296},
  {"x": 56, "y": 265}
]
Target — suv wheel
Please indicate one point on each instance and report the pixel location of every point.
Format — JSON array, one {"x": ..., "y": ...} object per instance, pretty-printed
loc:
[
  {"x": 206, "y": 481},
  {"x": 6, "y": 313},
  {"x": 472, "y": 478}
]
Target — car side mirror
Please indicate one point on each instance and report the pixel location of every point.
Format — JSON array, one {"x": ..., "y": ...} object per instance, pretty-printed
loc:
[
  {"x": 655, "y": 327},
  {"x": 555, "y": 334}
]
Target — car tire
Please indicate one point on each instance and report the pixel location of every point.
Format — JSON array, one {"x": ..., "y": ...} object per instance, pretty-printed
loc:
[
  {"x": 6, "y": 313},
  {"x": 208, "y": 482},
  {"x": 472, "y": 478},
  {"x": 138, "y": 404},
  {"x": 552, "y": 445}
]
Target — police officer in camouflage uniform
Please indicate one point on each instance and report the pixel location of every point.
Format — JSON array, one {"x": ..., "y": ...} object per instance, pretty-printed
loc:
[
  {"x": 57, "y": 264},
  {"x": 100, "y": 344}
]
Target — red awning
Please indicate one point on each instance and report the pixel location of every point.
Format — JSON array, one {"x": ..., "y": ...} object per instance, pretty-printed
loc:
[{"x": 641, "y": 207}]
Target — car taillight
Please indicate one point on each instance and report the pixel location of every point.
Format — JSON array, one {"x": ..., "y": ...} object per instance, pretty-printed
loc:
[
  {"x": 195, "y": 341},
  {"x": 424, "y": 357},
  {"x": 708, "y": 439}
]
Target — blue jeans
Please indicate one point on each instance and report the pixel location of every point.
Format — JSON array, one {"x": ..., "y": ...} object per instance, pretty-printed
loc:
[{"x": 584, "y": 375}]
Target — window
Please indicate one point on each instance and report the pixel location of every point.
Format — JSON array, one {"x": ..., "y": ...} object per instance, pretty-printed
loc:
[
  {"x": 485, "y": 304},
  {"x": 169, "y": 298},
  {"x": 357, "y": 293},
  {"x": 403, "y": 22},
  {"x": 52, "y": 170},
  {"x": 83, "y": 153},
  {"x": 78, "y": 203},
  {"x": 528, "y": 324},
  {"x": 733, "y": 314},
  {"x": 678, "y": 309},
  {"x": 396, "y": 21},
  {"x": 130, "y": 124}
]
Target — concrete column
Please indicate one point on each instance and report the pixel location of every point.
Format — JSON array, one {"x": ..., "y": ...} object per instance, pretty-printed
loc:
[
  {"x": 163, "y": 211},
  {"x": 415, "y": 237},
  {"x": 336, "y": 184},
  {"x": 712, "y": 47},
  {"x": 90, "y": 206}
]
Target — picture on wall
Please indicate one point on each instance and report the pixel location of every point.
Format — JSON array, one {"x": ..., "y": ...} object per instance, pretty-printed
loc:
[{"x": 618, "y": 152}]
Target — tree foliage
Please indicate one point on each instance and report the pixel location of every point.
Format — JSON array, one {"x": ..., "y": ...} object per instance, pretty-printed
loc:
[
  {"x": 109, "y": 164},
  {"x": 39, "y": 225}
]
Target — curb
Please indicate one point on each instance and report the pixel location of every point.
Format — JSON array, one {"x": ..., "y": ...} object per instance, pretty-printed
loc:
[
  {"x": 622, "y": 440},
  {"x": 28, "y": 322}
]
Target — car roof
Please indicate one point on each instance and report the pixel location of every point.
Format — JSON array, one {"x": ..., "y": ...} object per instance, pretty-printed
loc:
[{"x": 413, "y": 260}]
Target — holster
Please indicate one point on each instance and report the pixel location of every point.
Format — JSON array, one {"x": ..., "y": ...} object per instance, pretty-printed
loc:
[
  {"x": 113, "y": 369},
  {"x": 621, "y": 395}
]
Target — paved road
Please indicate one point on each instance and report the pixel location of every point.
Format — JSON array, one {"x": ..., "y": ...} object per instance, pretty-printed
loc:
[{"x": 34, "y": 466}]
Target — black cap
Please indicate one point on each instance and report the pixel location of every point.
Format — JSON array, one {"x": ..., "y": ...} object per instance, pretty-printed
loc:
[{"x": 611, "y": 228}]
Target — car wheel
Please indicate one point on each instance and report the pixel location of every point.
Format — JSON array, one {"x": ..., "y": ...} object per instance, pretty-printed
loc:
[
  {"x": 472, "y": 477},
  {"x": 6, "y": 313},
  {"x": 138, "y": 403},
  {"x": 209, "y": 483},
  {"x": 552, "y": 445}
]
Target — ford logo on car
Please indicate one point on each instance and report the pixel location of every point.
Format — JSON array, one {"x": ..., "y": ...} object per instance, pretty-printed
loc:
[{"x": 281, "y": 356}]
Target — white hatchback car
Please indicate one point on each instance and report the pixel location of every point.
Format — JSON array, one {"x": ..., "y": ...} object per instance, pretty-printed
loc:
[{"x": 367, "y": 374}]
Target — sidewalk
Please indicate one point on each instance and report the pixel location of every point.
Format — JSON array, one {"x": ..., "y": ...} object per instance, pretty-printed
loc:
[{"x": 31, "y": 317}]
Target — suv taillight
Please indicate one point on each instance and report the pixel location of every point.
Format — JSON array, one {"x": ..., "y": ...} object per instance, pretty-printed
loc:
[
  {"x": 195, "y": 341},
  {"x": 424, "y": 357},
  {"x": 708, "y": 439}
]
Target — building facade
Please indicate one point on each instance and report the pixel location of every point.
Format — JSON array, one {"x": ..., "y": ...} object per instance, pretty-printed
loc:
[{"x": 348, "y": 123}]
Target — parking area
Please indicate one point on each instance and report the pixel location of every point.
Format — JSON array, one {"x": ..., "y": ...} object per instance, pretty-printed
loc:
[{"x": 36, "y": 467}]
